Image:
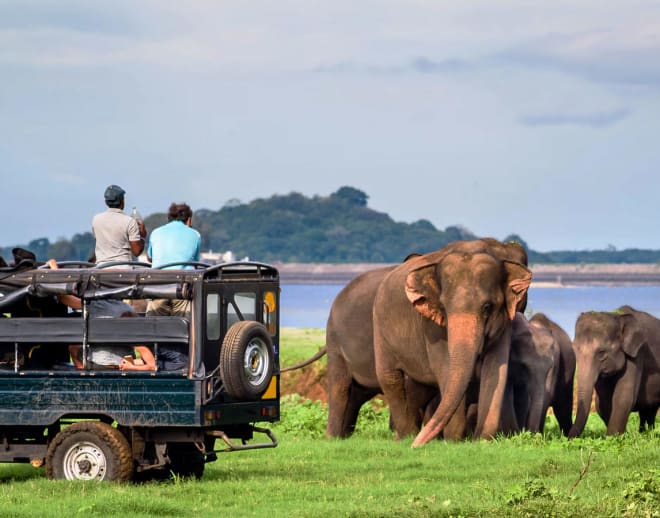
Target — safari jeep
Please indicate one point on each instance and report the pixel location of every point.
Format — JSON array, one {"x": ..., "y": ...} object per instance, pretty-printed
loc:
[{"x": 90, "y": 424}]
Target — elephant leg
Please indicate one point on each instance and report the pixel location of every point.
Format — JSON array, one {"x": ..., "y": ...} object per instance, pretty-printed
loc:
[
  {"x": 562, "y": 407},
  {"x": 430, "y": 407},
  {"x": 345, "y": 398},
  {"x": 603, "y": 400},
  {"x": 471, "y": 419},
  {"x": 358, "y": 396},
  {"x": 403, "y": 417},
  {"x": 623, "y": 401},
  {"x": 422, "y": 398},
  {"x": 647, "y": 418}
]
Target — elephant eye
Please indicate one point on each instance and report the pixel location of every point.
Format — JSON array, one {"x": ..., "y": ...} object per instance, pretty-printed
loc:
[{"x": 487, "y": 309}]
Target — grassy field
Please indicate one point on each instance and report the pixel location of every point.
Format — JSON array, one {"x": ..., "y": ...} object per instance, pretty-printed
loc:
[
  {"x": 300, "y": 343},
  {"x": 372, "y": 475}
]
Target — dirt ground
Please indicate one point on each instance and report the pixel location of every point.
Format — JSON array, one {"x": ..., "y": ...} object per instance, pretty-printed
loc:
[{"x": 309, "y": 382}]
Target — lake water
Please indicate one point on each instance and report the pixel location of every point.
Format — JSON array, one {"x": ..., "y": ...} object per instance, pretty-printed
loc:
[{"x": 309, "y": 305}]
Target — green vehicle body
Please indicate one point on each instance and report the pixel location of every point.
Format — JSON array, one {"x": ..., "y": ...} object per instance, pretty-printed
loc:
[{"x": 165, "y": 421}]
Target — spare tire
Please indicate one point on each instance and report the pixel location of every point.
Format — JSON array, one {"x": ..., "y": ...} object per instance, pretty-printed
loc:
[{"x": 246, "y": 360}]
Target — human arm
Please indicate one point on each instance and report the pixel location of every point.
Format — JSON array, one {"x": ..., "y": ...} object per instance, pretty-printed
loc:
[
  {"x": 137, "y": 234},
  {"x": 74, "y": 352},
  {"x": 137, "y": 247},
  {"x": 68, "y": 300},
  {"x": 147, "y": 357}
]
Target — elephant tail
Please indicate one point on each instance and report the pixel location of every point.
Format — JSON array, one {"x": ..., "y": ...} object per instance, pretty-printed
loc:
[{"x": 321, "y": 352}]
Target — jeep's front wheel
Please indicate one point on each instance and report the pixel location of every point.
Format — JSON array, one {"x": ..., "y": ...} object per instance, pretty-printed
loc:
[
  {"x": 246, "y": 360},
  {"x": 89, "y": 450}
]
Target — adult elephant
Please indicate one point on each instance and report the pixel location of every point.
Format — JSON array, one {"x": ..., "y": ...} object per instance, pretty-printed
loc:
[
  {"x": 438, "y": 319},
  {"x": 532, "y": 376},
  {"x": 618, "y": 354},
  {"x": 352, "y": 378},
  {"x": 562, "y": 399}
]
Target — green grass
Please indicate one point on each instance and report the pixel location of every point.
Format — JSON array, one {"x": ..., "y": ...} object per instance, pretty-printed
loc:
[
  {"x": 298, "y": 344},
  {"x": 370, "y": 474}
]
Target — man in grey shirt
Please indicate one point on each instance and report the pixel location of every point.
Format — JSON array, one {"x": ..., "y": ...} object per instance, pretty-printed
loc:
[{"x": 119, "y": 237}]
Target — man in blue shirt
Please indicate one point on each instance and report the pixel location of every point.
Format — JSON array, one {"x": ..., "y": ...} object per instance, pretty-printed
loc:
[{"x": 175, "y": 242}]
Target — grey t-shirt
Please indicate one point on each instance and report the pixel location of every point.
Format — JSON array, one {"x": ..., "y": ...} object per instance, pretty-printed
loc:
[
  {"x": 109, "y": 354},
  {"x": 113, "y": 231}
]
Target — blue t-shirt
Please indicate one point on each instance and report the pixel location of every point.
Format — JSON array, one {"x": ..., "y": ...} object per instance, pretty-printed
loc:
[{"x": 172, "y": 243}]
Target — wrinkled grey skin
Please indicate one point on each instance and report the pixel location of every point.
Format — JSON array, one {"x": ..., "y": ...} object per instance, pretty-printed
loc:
[
  {"x": 561, "y": 400},
  {"x": 440, "y": 318},
  {"x": 351, "y": 377},
  {"x": 618, "y": 355},
  {"x": 532, "y": 378}
]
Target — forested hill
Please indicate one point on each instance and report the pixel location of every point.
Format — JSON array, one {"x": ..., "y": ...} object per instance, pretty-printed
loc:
[{"x": 339, "y": 228}]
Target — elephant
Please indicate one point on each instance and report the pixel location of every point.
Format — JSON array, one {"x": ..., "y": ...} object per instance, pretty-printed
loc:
[
  {"x": 618, "y": 355},
  {"x": 562, "y": 398},
  {"x": 532, "y": 377},
  {"x": 441, "y": 318},
  {"x": 352, "y": 379}
]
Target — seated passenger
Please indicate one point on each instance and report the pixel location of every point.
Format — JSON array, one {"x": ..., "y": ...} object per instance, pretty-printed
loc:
[
  {"x": 122, "y": 357},
  {"x": 170, "y": 358}
]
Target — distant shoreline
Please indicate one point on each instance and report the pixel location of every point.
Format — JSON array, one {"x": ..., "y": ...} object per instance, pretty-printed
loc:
[{"x": 543, "y": 275}]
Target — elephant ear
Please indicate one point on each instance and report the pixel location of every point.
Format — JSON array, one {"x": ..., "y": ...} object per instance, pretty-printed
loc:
[
  {"x": 423, "y": 291},
  {"x": 632, "y": 335},
  {"x": 519, "y": 277}
]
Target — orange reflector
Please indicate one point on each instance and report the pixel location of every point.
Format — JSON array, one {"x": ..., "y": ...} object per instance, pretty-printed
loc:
[{"x": 271, "y": 391}]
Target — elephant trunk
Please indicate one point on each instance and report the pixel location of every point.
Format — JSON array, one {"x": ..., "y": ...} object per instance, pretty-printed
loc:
[
  {"x": 464, "y": 341},
  {"x": 586, "y": 382},
  {"x": 537, "y": 411}
]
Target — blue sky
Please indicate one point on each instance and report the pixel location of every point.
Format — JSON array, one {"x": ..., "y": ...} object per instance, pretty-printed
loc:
[{"x": 536, "y": 118}]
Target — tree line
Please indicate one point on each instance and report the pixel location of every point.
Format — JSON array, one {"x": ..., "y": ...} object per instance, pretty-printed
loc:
[{"x": 339, "y": 228}]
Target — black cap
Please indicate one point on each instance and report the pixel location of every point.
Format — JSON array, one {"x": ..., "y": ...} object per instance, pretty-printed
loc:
[{"x": 114, "y": 194}]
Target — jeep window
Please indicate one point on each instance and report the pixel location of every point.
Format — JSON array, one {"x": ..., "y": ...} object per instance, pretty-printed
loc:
[
  {"x": 242, "y": 307},
  {"x": 213, "y": 316}
]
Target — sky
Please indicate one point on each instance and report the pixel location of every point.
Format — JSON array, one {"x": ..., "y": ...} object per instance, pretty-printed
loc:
[{"x": 535, "y": 118}]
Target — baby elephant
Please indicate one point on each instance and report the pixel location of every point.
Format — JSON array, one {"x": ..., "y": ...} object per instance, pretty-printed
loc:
[
  {"x": 618, "y": 354},
  {"x": 532, "y": 378}
]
